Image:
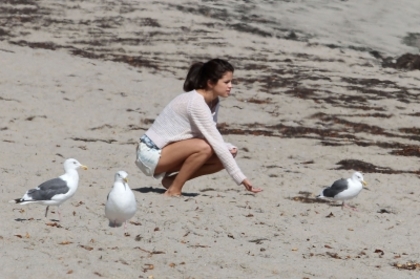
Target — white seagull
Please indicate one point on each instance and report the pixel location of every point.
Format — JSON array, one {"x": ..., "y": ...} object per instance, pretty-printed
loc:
[
  {"x": 344, "y": 189},
  {"x": 121, "y": 203},
  {"x": 55, "y": 191}
]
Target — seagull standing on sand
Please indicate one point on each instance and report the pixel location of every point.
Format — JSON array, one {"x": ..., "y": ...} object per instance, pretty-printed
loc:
[
  {"x": 121, "y": 203},
  {"x": 344, "y": 189},
  {"x": 55, "y": 191}
]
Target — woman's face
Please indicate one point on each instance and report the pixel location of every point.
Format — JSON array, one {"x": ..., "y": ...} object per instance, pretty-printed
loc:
[{"x": 223, "y": 86}]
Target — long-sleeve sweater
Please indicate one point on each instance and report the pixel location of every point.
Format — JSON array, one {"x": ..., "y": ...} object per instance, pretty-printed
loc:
[{"x": 188, "y": 116}]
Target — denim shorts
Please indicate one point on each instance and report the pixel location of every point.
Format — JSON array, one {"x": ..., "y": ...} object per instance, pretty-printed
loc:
[{"x": 147, "y": 157}]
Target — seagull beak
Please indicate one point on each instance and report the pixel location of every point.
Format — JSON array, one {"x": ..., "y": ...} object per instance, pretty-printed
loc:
[
  {"x": 84, "y": 167},
  {"x": 126, "y": 180},
  {"x": 364, "y": 183}
]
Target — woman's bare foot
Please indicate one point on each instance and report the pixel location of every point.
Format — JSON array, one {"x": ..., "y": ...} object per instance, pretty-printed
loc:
[
  {"x": 169, "y": 193},
  {"x": 167, "y": 181}
]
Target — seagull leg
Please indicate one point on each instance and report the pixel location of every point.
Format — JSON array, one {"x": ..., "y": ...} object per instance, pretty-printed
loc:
[
  {"x": 348, "y": 206},
  {"x": 59, "y": 213},
  {"x": 125, "y": 229},
  {"x": 46, "y": 210}
]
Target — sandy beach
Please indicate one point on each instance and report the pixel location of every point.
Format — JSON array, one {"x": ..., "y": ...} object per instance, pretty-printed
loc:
[{"x": 313, "y": 101}]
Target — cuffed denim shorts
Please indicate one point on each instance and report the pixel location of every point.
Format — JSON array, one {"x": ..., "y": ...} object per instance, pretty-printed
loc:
[{"x": 147, "y": 157}]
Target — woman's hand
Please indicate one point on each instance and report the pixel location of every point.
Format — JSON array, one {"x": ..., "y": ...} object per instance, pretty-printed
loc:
[
  {"x": 234, "y": 151},
  {"x": 249, "y": 187}
]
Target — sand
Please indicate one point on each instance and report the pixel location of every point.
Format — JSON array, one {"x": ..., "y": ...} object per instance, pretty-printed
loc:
[{"x": 85, "y": 79}]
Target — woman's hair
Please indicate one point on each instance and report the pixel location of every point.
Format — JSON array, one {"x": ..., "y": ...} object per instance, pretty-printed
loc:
[{"x": 200, "y": 73}]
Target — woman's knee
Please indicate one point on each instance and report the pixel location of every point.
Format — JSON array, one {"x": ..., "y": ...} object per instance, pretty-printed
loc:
[{"x": 205, "y": 148}]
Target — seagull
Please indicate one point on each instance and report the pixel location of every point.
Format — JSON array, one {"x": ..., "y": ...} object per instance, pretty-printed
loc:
[
  {"x": 120, "y": 203},
  {"x": 54, "y": 191},
  {"x": 344, "y": 189}
]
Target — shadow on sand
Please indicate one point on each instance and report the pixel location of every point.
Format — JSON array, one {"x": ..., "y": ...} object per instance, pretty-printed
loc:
[
  {"x": 146, "y": 190},
  {"x": 307, "y": 197}
]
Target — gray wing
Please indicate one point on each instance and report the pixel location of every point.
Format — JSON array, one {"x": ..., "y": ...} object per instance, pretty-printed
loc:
[
  {"x": 49, "y": 189},
  {"x": 337, "y": 187}
]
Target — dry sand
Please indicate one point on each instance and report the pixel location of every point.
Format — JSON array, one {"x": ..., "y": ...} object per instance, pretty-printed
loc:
[{"x": 84, "y": 79}]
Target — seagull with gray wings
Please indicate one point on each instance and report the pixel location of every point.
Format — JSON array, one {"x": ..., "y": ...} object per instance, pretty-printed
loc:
[
  {"x": 344, "y": 189},
  {"x": 54, "y": 191}
]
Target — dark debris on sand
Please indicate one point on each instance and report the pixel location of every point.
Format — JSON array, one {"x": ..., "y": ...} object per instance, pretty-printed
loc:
[{"x": 97, "y": 35}]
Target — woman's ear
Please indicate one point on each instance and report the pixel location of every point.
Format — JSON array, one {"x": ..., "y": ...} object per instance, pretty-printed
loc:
[{"x": 210, "y": 84}]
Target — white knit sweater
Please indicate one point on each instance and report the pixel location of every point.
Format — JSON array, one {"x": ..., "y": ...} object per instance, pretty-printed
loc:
[{"x": 188, "y": 116}]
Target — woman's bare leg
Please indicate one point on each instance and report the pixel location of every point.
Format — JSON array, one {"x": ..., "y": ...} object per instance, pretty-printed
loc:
[
  {"x": 212, "y": 165},
  {"x": 187, "y": 157}
]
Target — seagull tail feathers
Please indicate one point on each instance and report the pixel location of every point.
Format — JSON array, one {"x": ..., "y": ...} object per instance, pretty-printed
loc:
[{"x": 16, "y": 201}]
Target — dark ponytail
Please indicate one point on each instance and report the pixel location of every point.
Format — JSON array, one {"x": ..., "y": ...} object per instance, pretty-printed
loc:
[{"x": 200, "y": 73}]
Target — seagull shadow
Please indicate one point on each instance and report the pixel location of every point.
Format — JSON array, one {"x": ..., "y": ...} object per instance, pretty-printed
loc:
[
  {"x": 146, "y": 190},
  {"x": 32, "y": 219},
  {"x": 25, "y": 220},
  {"x": 308, "y": 197}
]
